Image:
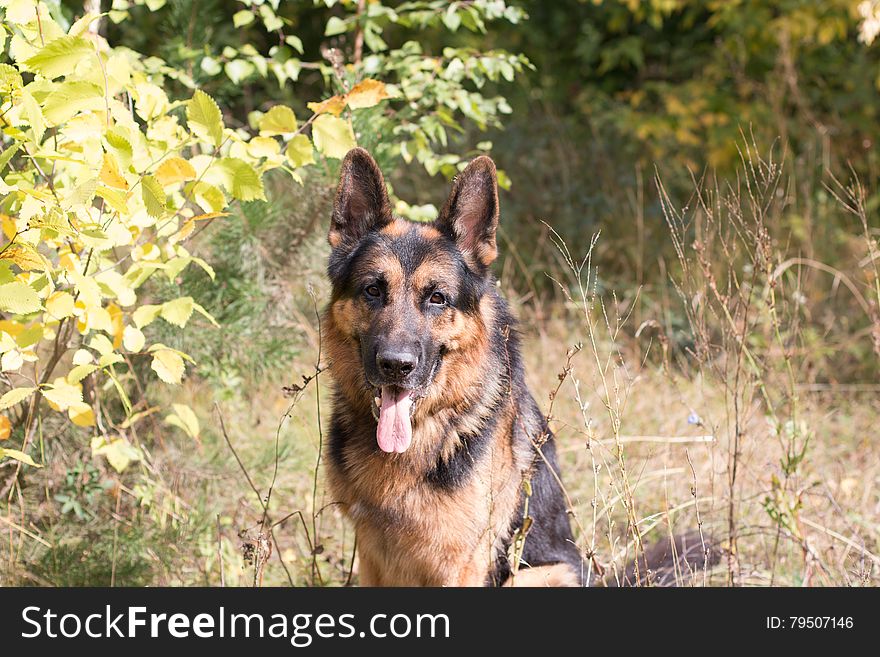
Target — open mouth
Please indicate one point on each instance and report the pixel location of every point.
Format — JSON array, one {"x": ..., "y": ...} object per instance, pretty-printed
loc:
[{"x": 393, "y": 407}]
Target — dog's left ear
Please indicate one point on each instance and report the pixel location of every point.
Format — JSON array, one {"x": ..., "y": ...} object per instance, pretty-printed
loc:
[
  {"x": 470, "y": 215},
  {"x": 361, "y": 203}
]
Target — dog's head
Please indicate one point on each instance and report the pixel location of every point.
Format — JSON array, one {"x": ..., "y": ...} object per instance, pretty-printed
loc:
[{"x": 406, "y": 295}]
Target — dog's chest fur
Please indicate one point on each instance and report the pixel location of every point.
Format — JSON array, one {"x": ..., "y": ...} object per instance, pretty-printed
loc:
[{"x": 412, "y": 529}]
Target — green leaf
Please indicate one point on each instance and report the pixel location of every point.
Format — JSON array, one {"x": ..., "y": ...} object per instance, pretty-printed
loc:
[
  {"x": 70, "y": 99},
  {"x": 55, "y": 219},
  {"x": 241, "y": 180},
  {"x": 18, "y": 456},
  {"x": 154, "y": 196},
  {"x": 18, "y": 298},
  {"x": 7, "y": 155},
  {"x": 299, "y": 151},
  {"x": 210, "y": 66},
  {"x": 120, "y": 147},
  {"x": 29, "y": 336},
  {"x": 15, "y": 396},
  {"x": 33, "y": 114},
  {"x": 333, "y": 136},
  {"x": 451, "y": 19},
  {"x": 201, "y": 309},
  {"x": 279, "y": 120},
  {"x": 238, "y": 69},
  {"x": 10, "y": 78},
  {"x": 243, "y": 17},
  {"x": 335, "y": 26},
  {"x": 60, "y": 56},
  {"x": 294, "y": 42},
  {"x": 204, "y": 118}
]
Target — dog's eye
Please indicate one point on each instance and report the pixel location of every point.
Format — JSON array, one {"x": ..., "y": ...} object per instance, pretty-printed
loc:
[
  {"x": 373, "y": 291},
  {"x": 437, "y": 298}
]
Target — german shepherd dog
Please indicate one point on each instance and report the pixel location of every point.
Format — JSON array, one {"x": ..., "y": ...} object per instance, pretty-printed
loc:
[{"x": 433, "y": 430}]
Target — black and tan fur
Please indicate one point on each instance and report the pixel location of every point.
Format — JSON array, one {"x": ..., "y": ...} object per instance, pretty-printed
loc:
[{"x": 443, "y": 512}]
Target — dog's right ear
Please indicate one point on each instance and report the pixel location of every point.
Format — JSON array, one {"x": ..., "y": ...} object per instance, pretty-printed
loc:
[{"x": 362, "y": 203}]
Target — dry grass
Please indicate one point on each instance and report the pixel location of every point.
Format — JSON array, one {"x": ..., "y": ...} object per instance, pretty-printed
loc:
[{"x": 676, "y": 477}]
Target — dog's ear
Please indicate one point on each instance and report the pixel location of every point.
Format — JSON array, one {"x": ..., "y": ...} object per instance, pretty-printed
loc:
[
  {"x": 470, "y": 215},
  {"x": 361, "y": 203}
]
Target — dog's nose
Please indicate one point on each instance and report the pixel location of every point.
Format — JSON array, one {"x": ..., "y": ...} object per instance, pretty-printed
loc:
[{"x": 396, "y": 363}]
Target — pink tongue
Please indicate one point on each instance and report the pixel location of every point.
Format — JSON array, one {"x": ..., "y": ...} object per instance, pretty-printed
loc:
[{"x": 394, "y": 432}]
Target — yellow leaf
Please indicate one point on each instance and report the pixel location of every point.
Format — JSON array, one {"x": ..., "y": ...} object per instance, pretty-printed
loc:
[
  {"x": 110, "y": 359},
  {"x": 80, "y": 372},
  {"x": 333, "y": 137},
  {"x": 29, "y": 336},
  {"x": 145, "y": 315},
  {"x": 137, "y": 417},
  {"x": 116, "y": 324},
  {"x": 20, "y": 12},
  {"x": 207, "y": 196},
  {"x": 69, "y": 262},
  {"x": 117, "y": 450},
  {"x": 184, "y": 418},
  {"x": 116, "y": 199},
  {"x": 299, "y": 151},
  {"x": 88, "y": 289},
  {"x": 263, "y": 147},
  {"x": 61, "y": 394},
  {"x": 82, "y": 357},
  {"x": 175, "y": 170},
  {"x": 201, "y": 310},
  {"x": 18, "y": 298},
  {"x": 18, "y": 456},
  {"x": 5, "y": 428},
  {"x": 204, "y": 118},
  {"x": 110, "y": 174},
  {"x": 185, "y": 231},
  {"x": 81, "y": 415},
  {"x": 148, "y": 251},
  {"x": 209, "y": 215},
  {"x": 101, "y": 344},
  {"x": 133, "y": 338},
  {"x": 279, "y": 120},
  {"x": 333, "y": 105},
  {"x": 98, "y": 319},
  {"x": 367, "y": 93},
  {"x": 11, "y": 361},
  {"x": 168, "y": 365},
  {"x": 178, "y": 311},
  {"x": 59, "y": 305},
  {"x": 9, "y": 227},
  {"x": 154, "y": 196},
  {"x": 25, "y": 256}
]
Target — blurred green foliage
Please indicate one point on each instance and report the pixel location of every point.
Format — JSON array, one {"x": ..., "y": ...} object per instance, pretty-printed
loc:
[
  {"x": 251, "y": 54},
  {"x": 682, "y": 78}
]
